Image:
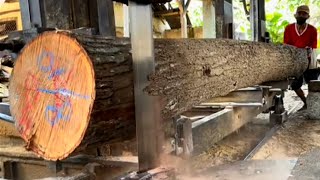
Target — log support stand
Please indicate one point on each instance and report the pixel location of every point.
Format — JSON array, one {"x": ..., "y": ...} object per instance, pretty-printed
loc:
[{"x": 196, "y": 132}]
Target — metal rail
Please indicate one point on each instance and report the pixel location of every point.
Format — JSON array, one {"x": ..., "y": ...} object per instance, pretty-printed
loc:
[{"x": 268, "y": 135}]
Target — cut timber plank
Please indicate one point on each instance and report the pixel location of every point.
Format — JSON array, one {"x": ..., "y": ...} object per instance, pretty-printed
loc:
[{"x": 188, "y": 72}]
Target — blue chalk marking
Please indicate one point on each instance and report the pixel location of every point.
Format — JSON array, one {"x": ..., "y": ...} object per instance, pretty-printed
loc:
[
  {"x": 51, "y": 59},
  {"x": 49, "y": 69},
  {"x": 64, "y": 92},
  {"x": 52, "y": 109},
  {"x": 59, "y": 113},
  {"x": 56, "y": 73},
  {"x": 66, "y": 107}
]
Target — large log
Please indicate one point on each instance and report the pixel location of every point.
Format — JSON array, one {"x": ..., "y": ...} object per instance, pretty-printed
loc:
[
  {"x": 191, "y": 71},
  {"x": 72, "y": 89}
]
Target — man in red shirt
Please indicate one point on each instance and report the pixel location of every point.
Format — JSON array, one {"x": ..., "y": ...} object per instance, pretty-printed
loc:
[{"x": 302, "y": 35}]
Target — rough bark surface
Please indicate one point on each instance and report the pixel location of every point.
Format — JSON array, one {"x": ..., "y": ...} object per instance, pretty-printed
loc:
[
  {"x": 113, "y": 117},
  {"x": 191, "y": 71},
  {"x": 188, "y": 72}
]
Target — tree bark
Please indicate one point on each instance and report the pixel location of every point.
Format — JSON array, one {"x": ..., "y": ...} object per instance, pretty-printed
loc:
[
  {"x": 191, "y": 71},
  {"x": 188, "y": 72}
]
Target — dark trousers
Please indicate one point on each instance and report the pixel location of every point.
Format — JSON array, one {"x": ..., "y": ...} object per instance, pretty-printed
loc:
[{"x": 308, "y": 75}]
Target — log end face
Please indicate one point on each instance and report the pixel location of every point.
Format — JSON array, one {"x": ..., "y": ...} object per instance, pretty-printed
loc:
[{"x": 52, "y": 93}]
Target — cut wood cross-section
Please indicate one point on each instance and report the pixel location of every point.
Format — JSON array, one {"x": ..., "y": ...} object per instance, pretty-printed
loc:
[
  {"x": 71, "y": 91},
  {"x": 51, "y": 95}
]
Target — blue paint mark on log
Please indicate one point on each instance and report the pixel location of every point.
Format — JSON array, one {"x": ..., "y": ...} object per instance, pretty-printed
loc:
[{"x": 64, "y": 92}]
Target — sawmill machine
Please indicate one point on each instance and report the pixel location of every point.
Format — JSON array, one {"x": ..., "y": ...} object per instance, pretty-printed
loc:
[{"x": 192, "y": 130}]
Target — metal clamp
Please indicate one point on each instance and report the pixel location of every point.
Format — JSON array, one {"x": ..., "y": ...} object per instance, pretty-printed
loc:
[{"x": 183, "y": 143}]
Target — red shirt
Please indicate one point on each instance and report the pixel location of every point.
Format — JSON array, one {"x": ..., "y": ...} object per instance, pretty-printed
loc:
[{"x": 308, "y": 38}]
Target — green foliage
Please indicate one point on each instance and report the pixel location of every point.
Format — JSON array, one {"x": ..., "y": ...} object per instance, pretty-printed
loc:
[
  {"x": 282, "y": 14},
  {"x": 195, "y": 15},
  {"x": 279, "y": 13},
  {"x": 275, "y": 26}
]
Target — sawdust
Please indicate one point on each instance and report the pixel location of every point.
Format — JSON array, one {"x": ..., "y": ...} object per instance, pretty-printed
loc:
[
  {"x": 13, "y": 146},
  {"x": 8, "y": 129},
  {"x": 233, "y": 148},
  {"x": 237, "y": 145},
  {"x": 298, "y": 136}
]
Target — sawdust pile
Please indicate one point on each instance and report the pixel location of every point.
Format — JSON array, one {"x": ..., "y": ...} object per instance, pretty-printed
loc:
[
  {"x": 233, "y": 148},
  {"x": 298, "y": 136},
  {"x": 8, "y": 129}
]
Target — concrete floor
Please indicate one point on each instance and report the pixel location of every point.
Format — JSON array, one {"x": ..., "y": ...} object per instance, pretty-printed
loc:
[{"x": 306, "y": 167}]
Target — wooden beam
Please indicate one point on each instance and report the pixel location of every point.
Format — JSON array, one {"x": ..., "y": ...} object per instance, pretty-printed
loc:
[
  {"x": 57, "y": 14},
  {"x": 183, "y": 19},
  {"x": 80, "y": 12},
  {"x": 106, "y": 19}
]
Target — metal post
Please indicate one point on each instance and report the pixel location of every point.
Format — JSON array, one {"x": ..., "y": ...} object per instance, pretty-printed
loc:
[
  {"x": 146, "y": 107},
  {"x": 35, "y": 13},
  {"x": 25, "y": 14},
  {"x": 30, "y": 13},
  {"x": 224, "y": 19},
  {"x": 254, "y": 20},
  {"x": 106, "y": 19}
]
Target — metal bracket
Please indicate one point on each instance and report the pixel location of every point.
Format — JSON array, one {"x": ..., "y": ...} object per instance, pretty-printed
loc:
[
  {"x": 161, "y": 173},
  {"x": 55, "y": 166},
  {"x": 278, "y": 118},
  {"x": 183, "y": 145},
  {"x": 279, "y": 114}
]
